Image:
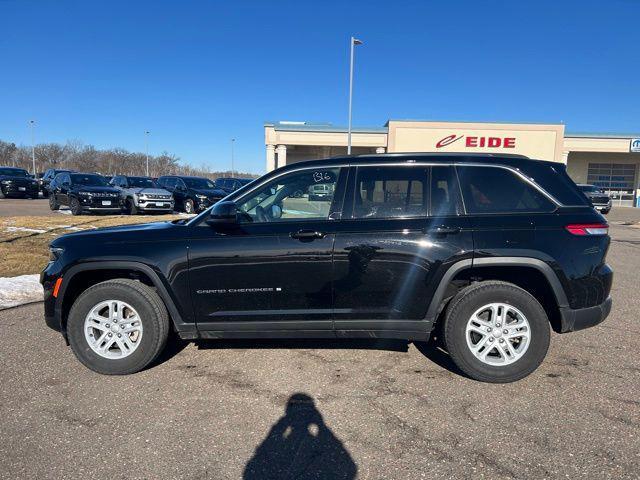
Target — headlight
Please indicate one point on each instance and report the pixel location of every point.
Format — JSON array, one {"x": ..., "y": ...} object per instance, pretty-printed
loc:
[
  {"x": 88, "y": 194},
  {"x": 201, "y": 197},
  {"x": 6, "y": 182},
  {"x": 55, "y": 253}
]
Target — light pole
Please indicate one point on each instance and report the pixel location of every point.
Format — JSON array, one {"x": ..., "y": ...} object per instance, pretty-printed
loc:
[
  {"x": 33, "y": 147},
  {"x": 233, "y": 141},
  {"x": 146, "y": 146},
  {"x": 353, "y": 43}
]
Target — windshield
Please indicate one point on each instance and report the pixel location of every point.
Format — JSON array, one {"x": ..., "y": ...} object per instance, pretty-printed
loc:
[
  {"x": 141, "y": 182},
  {"x": 88, "y": 180},
  {"x": 245, "y": 181},
  {"x": 589, "y": 189},
  {"x": 198, "y": 183},
  {"x": 13, "y": 172}
]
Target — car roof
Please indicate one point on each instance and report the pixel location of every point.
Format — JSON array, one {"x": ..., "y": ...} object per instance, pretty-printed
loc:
[
  {"x": 15, "y": 168},
  {"x": 394, "y": 158}
]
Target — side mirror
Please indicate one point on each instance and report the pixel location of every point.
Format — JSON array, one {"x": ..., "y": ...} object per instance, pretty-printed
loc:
[{"x": 223, "y": 213}]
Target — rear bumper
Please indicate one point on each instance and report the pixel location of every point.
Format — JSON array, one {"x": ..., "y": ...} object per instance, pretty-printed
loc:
[{"x": 581, "y": 318}]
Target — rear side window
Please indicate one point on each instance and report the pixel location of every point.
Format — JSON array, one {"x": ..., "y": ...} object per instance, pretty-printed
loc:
[
  {"x": 498, "y": 190},
  {"x": 390, "y": 192},
  {"x": 555, "y": 180}
]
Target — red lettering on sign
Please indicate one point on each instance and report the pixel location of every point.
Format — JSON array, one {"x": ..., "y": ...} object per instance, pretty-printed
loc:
[
  {"x": 448, "y": 140},
  {"x": 472, "y": 142},
  {"x": 478, "y": 142}
]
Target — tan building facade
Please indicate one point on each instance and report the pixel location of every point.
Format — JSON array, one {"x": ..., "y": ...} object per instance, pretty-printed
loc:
[{"x": 611, "y": 161}]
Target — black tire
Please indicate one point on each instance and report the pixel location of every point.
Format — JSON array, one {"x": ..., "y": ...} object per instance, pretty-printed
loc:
[
  {"x": 153, "y": 315},
  {"x": 189, "y": 206},
  {"x": 53, "y": 203},
  {"x": 75, "y": 207},
  {"x": 45, "y": 194},
  {"x": 130, "y": 207},
  {"x": 470, "y": 299}
]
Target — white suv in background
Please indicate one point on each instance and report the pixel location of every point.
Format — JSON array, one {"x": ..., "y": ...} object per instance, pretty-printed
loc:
[{"x": 141, "y": 194}]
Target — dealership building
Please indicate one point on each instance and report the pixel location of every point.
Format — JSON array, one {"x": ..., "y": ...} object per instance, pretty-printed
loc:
[{"x": 608, "y": 160}]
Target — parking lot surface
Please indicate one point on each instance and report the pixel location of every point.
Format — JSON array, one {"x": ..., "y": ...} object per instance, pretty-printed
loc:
[{"x": 330, "y": 409}]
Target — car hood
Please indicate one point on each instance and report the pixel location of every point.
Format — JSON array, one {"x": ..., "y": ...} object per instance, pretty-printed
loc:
[
  {"x": 16, "y": 178},
  {"x": 146, "y": 232},
  {"x": 150, "y": 191},
  {"x": 86, "y": 188},
  {"x": 210, "y": 192}
]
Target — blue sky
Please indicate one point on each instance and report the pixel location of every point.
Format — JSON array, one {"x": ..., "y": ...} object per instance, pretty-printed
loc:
[{"x": 198, "y": 73}]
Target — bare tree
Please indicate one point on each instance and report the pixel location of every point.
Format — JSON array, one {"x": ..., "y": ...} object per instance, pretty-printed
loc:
[{"x": 75, "y": 155}]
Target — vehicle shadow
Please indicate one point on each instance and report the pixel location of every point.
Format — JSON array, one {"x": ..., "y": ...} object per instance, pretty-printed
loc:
[
  {"x": 329, "y": 344},
  {"x": 431, "y": 349},
  {"x": 300, "y": 445}
]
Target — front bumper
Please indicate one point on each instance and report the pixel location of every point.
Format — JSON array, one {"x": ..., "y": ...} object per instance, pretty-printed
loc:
[
  {"x": 155, "y": 205},
  {"x": 13, "y": 189},
  {"x": 581, "y": 318}
]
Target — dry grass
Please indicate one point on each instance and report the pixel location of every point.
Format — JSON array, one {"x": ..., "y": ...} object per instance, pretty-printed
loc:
[{"x": 25, "y": 252}]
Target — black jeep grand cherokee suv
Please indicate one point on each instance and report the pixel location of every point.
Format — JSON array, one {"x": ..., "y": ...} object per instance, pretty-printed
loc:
[
  {"x": 16, "y": 182},
  {"x": 84, "y": 192},
  {"x": 491, "y": 252}
]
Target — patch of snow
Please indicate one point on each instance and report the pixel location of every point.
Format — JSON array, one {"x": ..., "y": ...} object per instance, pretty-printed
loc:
[
  {"x": 23, "y": 229},
  {"x": 19, "y": 290},
  {"x": 64, "y": 212},
  {"x": 75, "y": 229}
]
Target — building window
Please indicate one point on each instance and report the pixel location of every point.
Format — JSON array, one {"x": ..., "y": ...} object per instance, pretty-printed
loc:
[{"x": 612, "y": 176}]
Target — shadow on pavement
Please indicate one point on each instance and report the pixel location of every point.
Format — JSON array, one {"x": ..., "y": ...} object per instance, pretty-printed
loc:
[
  {"x": 330, "y": 344},
  {"x": 300, "y": 445}
]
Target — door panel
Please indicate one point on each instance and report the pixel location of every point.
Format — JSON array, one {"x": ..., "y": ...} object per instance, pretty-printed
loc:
[
  {"x": 259, "y": 273},
  {"x": 388, "y": 270},
  {"x": 273, "y": 269}
]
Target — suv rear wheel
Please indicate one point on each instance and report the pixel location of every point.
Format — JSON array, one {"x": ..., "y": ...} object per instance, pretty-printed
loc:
[
  {"x": 496, "y": 332},
  {"x": 118, "y": 327}
]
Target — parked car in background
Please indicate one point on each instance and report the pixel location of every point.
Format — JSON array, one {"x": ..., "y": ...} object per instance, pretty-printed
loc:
[
  {"x": 16, "y": 182},
  {"x": 191, "y": 194},
  {"x": 321, "y": 192},
  {"x": 231, "y": 184},
  {"x": 84, "y": 192},
  {"x": 47, "y": 177},
  {"x": 600, "y": 200},
  {"x": 142, "y": 194}
]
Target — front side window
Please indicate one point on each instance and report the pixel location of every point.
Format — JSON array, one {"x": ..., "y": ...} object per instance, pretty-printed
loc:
[
  {"x": 391, "y": 192},
  {"x": 498, "y": 190},
  {"x": 303, "y": 195}
]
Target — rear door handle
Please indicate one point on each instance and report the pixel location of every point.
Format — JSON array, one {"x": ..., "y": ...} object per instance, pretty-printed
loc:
[
  {"x": 307, "y": 235},
  {"x": 442, "y": 230}
]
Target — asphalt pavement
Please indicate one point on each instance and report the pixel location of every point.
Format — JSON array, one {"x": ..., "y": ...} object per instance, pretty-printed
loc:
[{"x": 326, "y": 409}]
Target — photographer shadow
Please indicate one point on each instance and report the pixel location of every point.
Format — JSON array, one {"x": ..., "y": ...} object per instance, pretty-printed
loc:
[{"x": 300, "y": 445}]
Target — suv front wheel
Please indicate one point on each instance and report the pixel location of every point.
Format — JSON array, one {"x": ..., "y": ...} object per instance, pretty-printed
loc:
[
  {"x": 496, "y": 332},
  {"x": 118, "y": 327}
]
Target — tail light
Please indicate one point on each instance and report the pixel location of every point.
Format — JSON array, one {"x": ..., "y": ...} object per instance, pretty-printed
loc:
[{"x": 582, "y": 229}]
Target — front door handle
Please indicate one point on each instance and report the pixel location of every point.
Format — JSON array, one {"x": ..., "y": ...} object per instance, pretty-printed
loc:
[
  {"x": 307, "y": 235},
  {"x": 442, "y": 230}
]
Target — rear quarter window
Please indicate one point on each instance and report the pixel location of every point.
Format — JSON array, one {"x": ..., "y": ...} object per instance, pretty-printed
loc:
[
  {"x": 555, "y": 180},
  {"x": 499, "y": 190}
]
